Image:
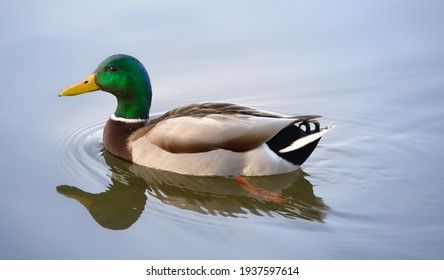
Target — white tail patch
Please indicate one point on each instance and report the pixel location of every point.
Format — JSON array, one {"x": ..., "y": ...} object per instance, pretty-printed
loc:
[{"x": 301, "y": 142}]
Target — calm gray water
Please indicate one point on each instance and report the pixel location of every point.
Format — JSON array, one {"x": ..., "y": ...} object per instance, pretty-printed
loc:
[{"x": 373, "y": 189}]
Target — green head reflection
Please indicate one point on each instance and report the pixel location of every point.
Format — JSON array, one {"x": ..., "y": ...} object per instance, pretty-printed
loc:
[{"x": 117, "y": 208}]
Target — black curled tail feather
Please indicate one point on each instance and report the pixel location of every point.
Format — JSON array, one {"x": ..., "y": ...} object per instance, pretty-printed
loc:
[{"x": 291, "y": 133}]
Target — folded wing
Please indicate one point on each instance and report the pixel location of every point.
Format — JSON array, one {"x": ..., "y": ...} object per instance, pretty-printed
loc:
[{"x": 209, "y": 126}]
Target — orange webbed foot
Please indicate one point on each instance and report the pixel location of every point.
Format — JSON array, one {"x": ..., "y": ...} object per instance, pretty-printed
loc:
[{"x": 258, "y": 192}]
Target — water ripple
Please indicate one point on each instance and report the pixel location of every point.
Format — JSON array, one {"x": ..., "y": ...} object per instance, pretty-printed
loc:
[{"x": 80, "y": 153}]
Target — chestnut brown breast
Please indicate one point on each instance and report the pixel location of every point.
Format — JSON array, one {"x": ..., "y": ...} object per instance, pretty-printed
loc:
[{"x": 115, "y": 137}]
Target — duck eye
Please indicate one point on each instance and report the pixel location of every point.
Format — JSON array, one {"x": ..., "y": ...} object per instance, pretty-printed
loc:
[{"x": 112, "y": 69}]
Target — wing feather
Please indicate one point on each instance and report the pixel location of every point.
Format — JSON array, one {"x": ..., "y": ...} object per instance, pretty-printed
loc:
[{"x": 209, "y": 126}]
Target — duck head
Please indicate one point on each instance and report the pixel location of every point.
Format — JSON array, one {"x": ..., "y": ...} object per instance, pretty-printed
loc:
[{"x": 124, "y": 77}]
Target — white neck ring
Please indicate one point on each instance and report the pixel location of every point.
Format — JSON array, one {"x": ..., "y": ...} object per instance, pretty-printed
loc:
[{"x": 119, "y": 119}]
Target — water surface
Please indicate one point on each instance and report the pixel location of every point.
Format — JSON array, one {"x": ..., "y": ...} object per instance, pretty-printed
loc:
[{"x": 371, "y": 190}]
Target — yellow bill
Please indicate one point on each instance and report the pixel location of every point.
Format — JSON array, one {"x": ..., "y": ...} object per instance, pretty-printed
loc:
[{"x": 85, "y": 86}]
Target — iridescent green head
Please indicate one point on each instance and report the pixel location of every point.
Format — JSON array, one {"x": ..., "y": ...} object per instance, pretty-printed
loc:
[{"x": 124, "y": 77}]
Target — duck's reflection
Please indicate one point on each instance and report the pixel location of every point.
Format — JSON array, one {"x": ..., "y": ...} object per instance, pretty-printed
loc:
[{"x": 123, "y": 202}]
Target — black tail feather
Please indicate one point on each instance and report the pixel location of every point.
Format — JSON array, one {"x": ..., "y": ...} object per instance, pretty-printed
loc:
[{"x": 291, "y": 133}]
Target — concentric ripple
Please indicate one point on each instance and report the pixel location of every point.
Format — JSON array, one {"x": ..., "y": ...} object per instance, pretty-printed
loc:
[{"x": 80, "y": 154}]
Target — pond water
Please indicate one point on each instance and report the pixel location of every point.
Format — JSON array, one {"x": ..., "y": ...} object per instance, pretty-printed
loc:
[{"x": 373, "y": 189}]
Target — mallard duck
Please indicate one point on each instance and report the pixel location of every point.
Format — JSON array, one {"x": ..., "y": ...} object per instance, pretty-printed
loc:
[{"x": 204, "y": 139}]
